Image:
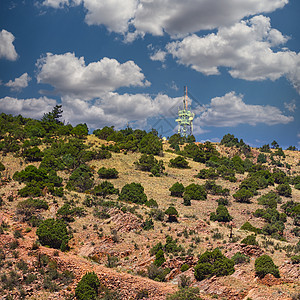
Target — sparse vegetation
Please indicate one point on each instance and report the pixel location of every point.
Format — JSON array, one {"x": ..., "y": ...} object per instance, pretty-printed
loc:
[{"x": 96, "y": 191}]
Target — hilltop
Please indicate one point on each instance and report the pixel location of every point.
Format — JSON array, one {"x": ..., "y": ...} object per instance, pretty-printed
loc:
[{"x": 109, "y": 194}]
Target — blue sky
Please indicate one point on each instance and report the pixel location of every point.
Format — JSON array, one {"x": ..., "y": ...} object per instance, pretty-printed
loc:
[{"x": 114, "y": 62}]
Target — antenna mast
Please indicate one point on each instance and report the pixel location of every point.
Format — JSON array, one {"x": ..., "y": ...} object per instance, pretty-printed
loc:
[{"x": 185, "y": 118}]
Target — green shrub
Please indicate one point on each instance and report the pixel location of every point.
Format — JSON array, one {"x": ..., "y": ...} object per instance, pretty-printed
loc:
[
  {"x": 207, "y": 174},
  {"x": 36, "y": 180},
  {"x": 53, "y": 233},
  {"x": 223, "y": 201},
  {"x": 29, "y": 174},
  {"x": 108, "y": 173},
  {"x": 156, "y": 248},
  {"x": 221, "y": 215},
  {"x": 2, "y": 167},
  {"x": 295, "y": 180},
  {"x": 214, "y": 189},
  {"x": 243, "y": 195},
  {"x": 150, "y": 144},
  {"x": 265, "y": 148},
  {"x": 172, "y": 213},
  {"x": 250, "y": 240},
  {"x": 179, "y": 162},
  {"x": 171, "y": 246},
  {"x": 284, "y": 189},
  {"x": 104, "y": 189},
  {"x": 32, "y": 189},
  {"x": 291, "y": 208},
  {"x": 279, "y": 176},
  {"x": 264, "y": 265},
  {"x": 133, "y": 192},
  {"x": 195, "y": 191},
  {"x": 229, "y": 140},
  {"x": 258, "y": 178},
  {"x": 177, "y": 189},
  {"x": 275, "y": 226},
  {"x": 247, "y": 226},
  {"x": 104, "y": 133},
  {"x": 67, "y": 212},
  {"x": 261, "y": 158},
  {"x": 188, "y": 293},
  {"x": 157, "y": 273},
  {"x": 148, "y": 224},
  {"x": 149, "y": 163},
  {"x": 159, "y": 258},
  {"x": 88, "y": 287},
  {"x": 269, "y": 200},
  {"x": 213, "y": 263},
  {"x": 295, "y": 259},
  {"x": 187, "y": 200},
  {"x": 81, "y": 179},
  {"x": 32, "y": 154},
  {"x": 184, "y": 267},
  {"x": 29, "y": 206},
  {"x": 151, "y": 203},
  {"x": 157, "y": 214},
  {"x": 240, "y": 258}
]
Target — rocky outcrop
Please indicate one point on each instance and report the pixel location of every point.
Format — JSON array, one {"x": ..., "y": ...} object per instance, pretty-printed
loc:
[
  {"x": 124, "y": 222},
  {"x": 249, "y": 250}
]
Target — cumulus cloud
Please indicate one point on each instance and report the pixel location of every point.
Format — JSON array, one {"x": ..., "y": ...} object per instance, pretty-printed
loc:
[
  {"x": 114, "y": 14},
  {"x": 179, "y": 18},
  {"x": 175, "y": 17},
  {"x": 7, "y": 49},
  {"x": 115, "y": 109},
  {"x": 29, "y": 108},
  {"x": 19, "y": 83},
  {"x": 230, "y": 110},
  {"x": 70, "y": 75},
  {"x": 245, "y": 48}
]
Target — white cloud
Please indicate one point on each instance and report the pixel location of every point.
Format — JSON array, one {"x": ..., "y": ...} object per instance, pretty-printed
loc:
[
  {"x": 175, "y": 17},
  {"x": 230, "y": 111},
  {"x": 7, "y": 49},
  {"x": 70, "y": 76},
  {"x": 56, "y": 3},
  {"x": 19, "y": 83},
  {"x": 244, "y": 48},
  {"x": 30, "y": 108},
  {"x": 178, "y": 18},
  {"x": 290, "y": 106},
  {"x": 114, "y": 14},
  {"x": 115, "y": 109},
  {"x": 159, "y": 56}
]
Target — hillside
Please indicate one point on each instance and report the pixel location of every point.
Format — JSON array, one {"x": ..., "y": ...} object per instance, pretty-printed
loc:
[{"x": 113, "y": 237}]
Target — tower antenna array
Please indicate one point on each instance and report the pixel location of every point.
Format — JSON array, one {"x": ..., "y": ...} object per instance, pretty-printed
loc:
[{"x": 185, "y": 117}]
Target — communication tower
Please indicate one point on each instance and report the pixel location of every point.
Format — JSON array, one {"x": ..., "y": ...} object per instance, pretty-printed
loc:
[{"x": 185, "y": 117}]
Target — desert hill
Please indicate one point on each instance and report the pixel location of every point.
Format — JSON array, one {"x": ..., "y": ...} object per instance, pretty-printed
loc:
[{"x": 117, "y": 232}]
